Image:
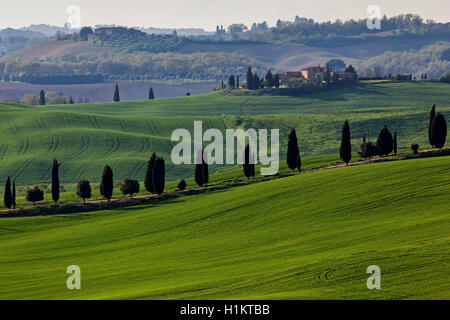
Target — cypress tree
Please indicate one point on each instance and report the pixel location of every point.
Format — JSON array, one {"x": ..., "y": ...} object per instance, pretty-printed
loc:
[
  {"x": 439, "y": 131},
  {"x": 116, "y": 97},
  {"x": 151, "y": 96},
  {"x": 42, "y": 98},
  {"x": 7, "y": 197},
  {"x": 256, "y": 81},
  {"x": 148, "y": 182},
  {"x": 205, "y": 170},
  {"x": 107, "y": 183},
  {"x": 55, "y": 180},
  {"x": 432, "y": 115},
  {"x": 237, "y": 82},
  {"x": 292, "y": 150},
  {"x": 14, "y": 195},
  {"x": 395, "y": 143},
  {"x": 249, "y": 79},
  {"x": 345, "y": 150},
  {"x": 385, "y": 142},
  {"x": 269, "y": 79},
  {"x": 159, "y": 175},
  {"x": 246, "y": 165},
  {"x": 199, "y": 169},
  {"x": 231, "y": 82}
]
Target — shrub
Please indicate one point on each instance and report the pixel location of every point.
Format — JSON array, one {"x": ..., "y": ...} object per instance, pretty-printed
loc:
[
  {"x": 35, "y": 195},
  {"x": 182, "y": 185},
  {"x": 84, "y": 190},
  {"x": 129, "y": 186},
  {"x": 415, "y": 148}
]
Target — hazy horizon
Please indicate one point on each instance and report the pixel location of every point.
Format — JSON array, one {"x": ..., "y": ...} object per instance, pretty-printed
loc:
[{"x": 206, "y": 14}]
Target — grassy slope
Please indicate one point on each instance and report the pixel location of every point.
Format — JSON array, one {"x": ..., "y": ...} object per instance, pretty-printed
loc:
[
  {"x": 305, "y": 236},
  {"x": 85, "y": 137}
]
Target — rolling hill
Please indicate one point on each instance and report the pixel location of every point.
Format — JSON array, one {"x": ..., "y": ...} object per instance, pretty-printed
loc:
[
  {"x": 308, "y": 236},
  {"x": 85, "y": 137}
]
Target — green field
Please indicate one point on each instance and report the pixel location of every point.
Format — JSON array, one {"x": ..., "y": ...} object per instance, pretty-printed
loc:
[
  {"x": 300, "y": 237},
  {"x": 85, "y": 137}
]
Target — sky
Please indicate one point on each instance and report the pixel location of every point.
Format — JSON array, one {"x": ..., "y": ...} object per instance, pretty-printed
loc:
[{"x": 204, "y": 14}]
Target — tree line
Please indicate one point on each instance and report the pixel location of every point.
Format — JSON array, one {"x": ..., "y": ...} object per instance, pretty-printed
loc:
[
  {"x": 154, "y": 179},
  {"x": 387, "y": 143}
]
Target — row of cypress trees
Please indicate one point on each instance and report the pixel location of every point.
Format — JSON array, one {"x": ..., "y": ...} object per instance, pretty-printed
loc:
[
  {"x": 154, "y": 183},
  {"x": 386, "y": 143},
  {"x": 116, "y": 97}
]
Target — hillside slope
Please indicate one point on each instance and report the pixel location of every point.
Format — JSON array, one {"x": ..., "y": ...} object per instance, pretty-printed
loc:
[
  {"x": 86, "y": 136},
  {"x": 53, "y": 48},
  {"x": 309, "y": 236}
]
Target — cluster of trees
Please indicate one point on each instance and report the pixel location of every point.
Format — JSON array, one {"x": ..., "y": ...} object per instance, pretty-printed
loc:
[
  {"x": 344, "y": 33},
  {"x": 128, "y": 66},
  {"x": 253, "y": 82},
  {"x": 48, "y": 97},
  {"x": 201, "y": 174},
  {"x": 127, "y": 38},
  {"x": 154, "y": 183},
  {"x": 387, "y": 143}
]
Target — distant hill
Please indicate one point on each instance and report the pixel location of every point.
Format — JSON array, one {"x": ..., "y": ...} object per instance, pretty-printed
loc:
[
  {"x": 53, "y": 48},
  {"x": 433, "y": 60},
  {"x": 47, "y": 30}
]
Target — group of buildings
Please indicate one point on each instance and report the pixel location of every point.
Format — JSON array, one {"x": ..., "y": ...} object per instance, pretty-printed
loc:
[{"x": 310, "y": 74}]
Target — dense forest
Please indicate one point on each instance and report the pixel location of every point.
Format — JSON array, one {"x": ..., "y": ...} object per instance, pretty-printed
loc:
[
  {"x": 129, "y": 66},
  {"x": 432, "y": 60}
]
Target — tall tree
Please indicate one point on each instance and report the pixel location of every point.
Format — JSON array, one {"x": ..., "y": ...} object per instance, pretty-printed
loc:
[
  {"x": 439, "y": 131},
  {"x": 276, "y": 80},
  {"x": 231, "y": 82},
  {"x": 55, "y": 180},
  {"x": 14, "y": 195},
  {"x": 249, "y": 78},
  {"x": 7, "y": 197},
  {"x": 148, "y": 182},
  {"x": 247, "y": 165},
  {"x": 256, "y": 82},
  {"x": 345, "y": 150},
  {"x": 395, "y": 143},
  {"x": 151, "y": 95},
  {"x": 385, "y": 142},
  {"x": 42, "y": 98},
  {"x": 107, "y": 183},
  {"x": 269, "y": 79},
  {"x": 432, "y": 115},
  {"x": 205, "y": 170},
  {"x": 292, "y": 150},
  {"x": 237, "y": 82},
  {"x": 116, "y": 97},
  {"x": 159, "y": 175},
  {"x": 84, "y": 190},
  {"x": 199, "y": 169}
]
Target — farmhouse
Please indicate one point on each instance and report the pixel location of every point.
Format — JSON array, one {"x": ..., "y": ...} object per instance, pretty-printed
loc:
[
  {"x": 310, "y": 72},
  {"x": 304, "y": 74}
]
